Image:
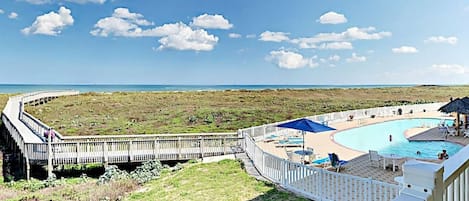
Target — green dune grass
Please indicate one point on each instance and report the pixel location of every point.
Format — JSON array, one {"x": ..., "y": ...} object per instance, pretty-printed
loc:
[{"x": 216, "y": 111}]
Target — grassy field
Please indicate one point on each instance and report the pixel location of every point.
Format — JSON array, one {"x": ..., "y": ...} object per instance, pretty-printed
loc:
[
  {"x": 224, "y": 180},
  {"x": 217, "y": 111}
]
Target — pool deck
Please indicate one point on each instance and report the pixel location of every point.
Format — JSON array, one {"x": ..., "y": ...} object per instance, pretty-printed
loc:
[
  {"x": 359, "y": 164},
  {"x": 434, "y": 134}
]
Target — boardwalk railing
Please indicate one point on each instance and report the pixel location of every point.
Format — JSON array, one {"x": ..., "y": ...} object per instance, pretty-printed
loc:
[
  {"x": 37, "y": 126},
  {"x": 14, "y": 133},
  {"x": 111, "y": 149},
  {"x": 125, "y": 151}
]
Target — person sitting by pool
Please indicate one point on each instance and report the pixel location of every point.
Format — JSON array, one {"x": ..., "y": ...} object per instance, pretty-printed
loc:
[{"x": 443, "y": 155}]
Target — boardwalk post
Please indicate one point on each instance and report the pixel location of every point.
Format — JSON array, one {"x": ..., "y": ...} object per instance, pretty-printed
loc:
[
  {"x": 28, "y": 167},
  {"x": 158, "y": 147},
  {"x": 49, "y": 154},
  {"x": 201, "y": 147},
  {"x": 179, "y": 148},
  {"x": 224, "y": 145},
  {"x": 78, "y": 152},
  {"x": 155, "y": 143},
  {"x": 105, "y": 154},
  {"x": 131, "y": 158}
]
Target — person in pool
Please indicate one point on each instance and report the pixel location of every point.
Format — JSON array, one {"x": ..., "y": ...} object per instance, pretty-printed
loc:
[{"x": 443, "y": 155}]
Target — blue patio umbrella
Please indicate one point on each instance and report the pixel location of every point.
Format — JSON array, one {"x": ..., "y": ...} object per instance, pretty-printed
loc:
[{"x": 306, "y": 125}]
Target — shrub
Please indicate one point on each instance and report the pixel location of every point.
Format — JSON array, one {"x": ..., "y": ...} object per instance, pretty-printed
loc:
[
  {"x": 111, "y": 173},
  {"x": 147, "y": 171}
]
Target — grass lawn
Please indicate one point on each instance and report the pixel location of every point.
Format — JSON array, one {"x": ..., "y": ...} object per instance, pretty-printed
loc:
[
  {"x": 224, "y": 180},
  {"x": 216, "y": 111}
]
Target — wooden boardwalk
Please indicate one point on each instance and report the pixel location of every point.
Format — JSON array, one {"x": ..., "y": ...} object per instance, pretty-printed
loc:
[{"x": 26, "y": 132}]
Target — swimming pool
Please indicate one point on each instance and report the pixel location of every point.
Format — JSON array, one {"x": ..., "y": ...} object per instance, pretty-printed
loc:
[{"x": 376, "y": 137}]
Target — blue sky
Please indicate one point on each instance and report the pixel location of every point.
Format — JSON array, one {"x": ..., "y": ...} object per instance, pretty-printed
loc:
[{"x": 234, "y": 42}]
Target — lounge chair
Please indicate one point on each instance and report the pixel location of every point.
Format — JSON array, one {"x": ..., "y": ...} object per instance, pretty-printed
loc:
[
  {"x": 288, "y": 145},
  {"x": 374, "y": 157},
  {"x": 336, "y": 162},
  {"x": 466, "y": 133},
  {"x": 451, "y": 131}
]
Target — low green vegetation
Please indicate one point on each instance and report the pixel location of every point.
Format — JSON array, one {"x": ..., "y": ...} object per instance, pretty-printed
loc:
[
  {"x": 225, "y": 180},
  {"x": 71, "y": 189},
  {"x": 216, "y": 111}
]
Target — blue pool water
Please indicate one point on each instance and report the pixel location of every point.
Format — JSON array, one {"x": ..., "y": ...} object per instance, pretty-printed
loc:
[
  {"x": 376, "y": 137},
  {"x": 292, "y": 140},
  {"x": 321, "y": 161}
]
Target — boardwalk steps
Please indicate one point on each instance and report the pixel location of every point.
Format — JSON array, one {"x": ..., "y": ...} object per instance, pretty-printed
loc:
[{"x": 249, "y": 166}]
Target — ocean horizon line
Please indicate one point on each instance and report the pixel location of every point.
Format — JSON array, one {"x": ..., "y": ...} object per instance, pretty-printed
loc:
[{"x": 22, "y": 88}]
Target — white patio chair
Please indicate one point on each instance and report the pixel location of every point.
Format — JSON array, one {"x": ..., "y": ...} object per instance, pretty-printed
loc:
[
  {"x": 466, "y": 133},
  {"x": 451, "y": 131},
  {"x": 374, "y": 157}
]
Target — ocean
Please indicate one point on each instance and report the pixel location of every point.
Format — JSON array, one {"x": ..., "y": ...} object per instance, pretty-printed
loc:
[{"x": 23, "y": 88}]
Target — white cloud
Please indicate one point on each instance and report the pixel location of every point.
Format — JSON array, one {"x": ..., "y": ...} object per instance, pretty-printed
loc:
[
  {"x": 450, "y": 68},
  {"x": 136, "y": 18},
  {"x": 251, "y": 36},
  {"x": 234, "y": 35},
  {"x": 1, "y": 11},
  {"x": 356, "y": 58},
  {"x": 37, "y": 2},
  {"x": 441, "y": 39},
  {"x": 336, "y": 46},
  {"x": 273, "y": 36},
  {"x": 334, "y": 58},
  {"x": 188, "y": 39},
  {"x": 356, "y": 33},
  {"x": 466, "y": 8},
  {"x": 178, "y": 36},
  {"x": 121, "y": 23},
  {"x": 332, "y": 18},
  {"x": 405, "y": 50},
  {"x": 13, "y": 15},
  {"x": 51, "y": 23},
  {"x": 211, "y": 22},
  {"x": 290, "y": 60},
  {"x": 351, "y": 34}
]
